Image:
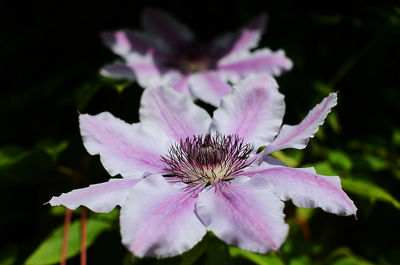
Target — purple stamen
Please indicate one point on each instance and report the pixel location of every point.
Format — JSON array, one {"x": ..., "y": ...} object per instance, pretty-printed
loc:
[{"x": 208, "y": 159}]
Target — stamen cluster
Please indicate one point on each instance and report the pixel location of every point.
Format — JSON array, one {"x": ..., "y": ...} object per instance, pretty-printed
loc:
[{"x": 208, "y": 159}]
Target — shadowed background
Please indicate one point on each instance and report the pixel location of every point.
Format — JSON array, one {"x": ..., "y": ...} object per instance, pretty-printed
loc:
[{"x": 50, "y": 56}]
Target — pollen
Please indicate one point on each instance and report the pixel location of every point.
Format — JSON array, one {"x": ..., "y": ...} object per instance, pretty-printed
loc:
[{"x": 208, "y": 159}]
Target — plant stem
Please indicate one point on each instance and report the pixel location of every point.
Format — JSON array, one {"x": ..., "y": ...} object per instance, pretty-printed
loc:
[
  {"x": 67, "y": 221},
  {"x": 83, "y": 235}
]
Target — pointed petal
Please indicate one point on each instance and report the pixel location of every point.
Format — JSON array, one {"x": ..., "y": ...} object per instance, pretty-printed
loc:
[
  {"x": 208, "y": 87},
  {"x": 244, "y": 39},
  {"x": 244, "y": 213},
  {"x": 137, "y": 67},
  {"x": 306, "y": 188},
  {"x": 118, "y": 70},
  {"x": 173, "y": 113},
  {"x": 124, "y": 42},
  {"x": 254, "y": 111},
  {"x": 161, "y": 24},
  {"x": 260, "y": 61},
  {"x": 297, "y": 136},
  {"x": 100, "y": 198},
  {"x": 124, "y": 149},
  {"x": 250, "y": 35},
  {"x": 158, "y": 219}
]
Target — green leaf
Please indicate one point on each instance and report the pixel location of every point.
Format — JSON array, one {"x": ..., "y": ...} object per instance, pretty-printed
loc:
[
  {"x": 345, "y": 256},
  {"x": 375, "y": 163},
  {"x": 333, "y": 121},
  {"x": 396, "y": 137},
  {"x": 305, "y": 213},
  {"x": 84, "y": 94},
  {"x": 10, "y": 260},
  {"x": 270, "y": 259},
  {"x": 288, "y": 160},
  {"x": 217, "y": 252},
  {"x": 324, "y": 168},
  {"x": 49, "y": 251},
  {"x": 118, "y": 84},
  {"x": 369, "y": 190},
  {"x": 301, "y": 260},
  {"x": 340, "y": 159},
  {"x": 10, "y": 155},
  {"x": 8, "y": 255},
  {"x": 110, "y": 216},
  {"x": 190, "y": 257},
  {"x": 351, "y": 261},
  {"x": 57, "y": 210},
  {"x": 359, "y": 187},
  {"x": 53, "y": 148},
  {"x": 322, "y": 87}
]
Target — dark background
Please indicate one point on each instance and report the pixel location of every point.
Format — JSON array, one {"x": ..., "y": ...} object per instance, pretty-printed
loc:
[{"x": 50, "y": 55}]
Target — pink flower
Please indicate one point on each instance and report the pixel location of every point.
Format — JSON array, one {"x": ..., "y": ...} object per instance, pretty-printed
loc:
[
  {"x": 185, "y": 173},
  {"x": 167, "y": 54}
]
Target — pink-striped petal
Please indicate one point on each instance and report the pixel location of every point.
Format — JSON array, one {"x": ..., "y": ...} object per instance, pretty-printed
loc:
[
  {"x": 159, "y": 23},
  {"x": 181, "y": 85},
  {"x": 124, "y": 42},
  {"x": 250, "y": 35},
  {"x": 100, "y": 198},
  {"x": 306, "y": 188},
  {"x": 147, "y": 72},
  {"x": 254, "y": 111},
  {"x": 209, "y": 87},
  {"x": 297, "y": 136},
  {"x": 244, "y": 213},
  {"x": 260, "y": 61},
  {"x": 158, "y": 219},
  {"x": 244, "y": 39},
  {"x": 143, "y": 69},
  {"x": 166, "y": 110},
  {"x": 125, "y": 149}
]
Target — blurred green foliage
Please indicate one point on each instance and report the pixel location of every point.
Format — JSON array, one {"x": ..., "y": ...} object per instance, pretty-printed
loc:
[{"x": 50, "y": 55}]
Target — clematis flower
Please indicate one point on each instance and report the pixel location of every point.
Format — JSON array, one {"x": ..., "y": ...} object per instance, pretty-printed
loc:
[
  {"x": 166, "y": 53},
  {"x": 185, "y": 173}
]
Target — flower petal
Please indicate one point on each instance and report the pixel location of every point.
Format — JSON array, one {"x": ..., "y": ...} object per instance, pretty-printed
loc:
[
  {"x": 158, "y": 219},
  {"x": 148, "y": 73},
  {"x": 244, "y": 39},
  {"x": 250, "y": 35},
  {"x": 244, "y": 213},
  {"x": 166, "y": 110},
  {"x": 240, "y": 64},
  {"x": 306, "y": 188},
  {"x": 137, "y": 67},
  {"x": 161, "y": 24},
  {"x": 124, "y": 42},
  {"x": 208, "y": 87},
  {"x": 118, "y": 70},
  {"x": 181, "y": 84},
  {"x": 254, "y": 111},
  {"x": 124, "y": 149},
  {"x": 100, "y": 198},
  {"x": 297, "y": 136}
]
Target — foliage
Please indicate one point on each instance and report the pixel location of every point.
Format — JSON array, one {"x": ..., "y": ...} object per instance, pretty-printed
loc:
[{"x": 50, "y": 66}]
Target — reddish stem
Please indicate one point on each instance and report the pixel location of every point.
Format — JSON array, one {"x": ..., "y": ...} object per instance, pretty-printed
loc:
[
  {"x": 305, "y": 228},
  {"x": 83, "y": 235},
  {"x": 67, "y": 221}
]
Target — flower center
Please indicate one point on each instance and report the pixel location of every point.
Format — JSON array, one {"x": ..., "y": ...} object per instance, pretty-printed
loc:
[
  {"x": 193, "y": 59},
  {"x": 194, "y": 65},
  {"x": 208, "y": 159}
]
